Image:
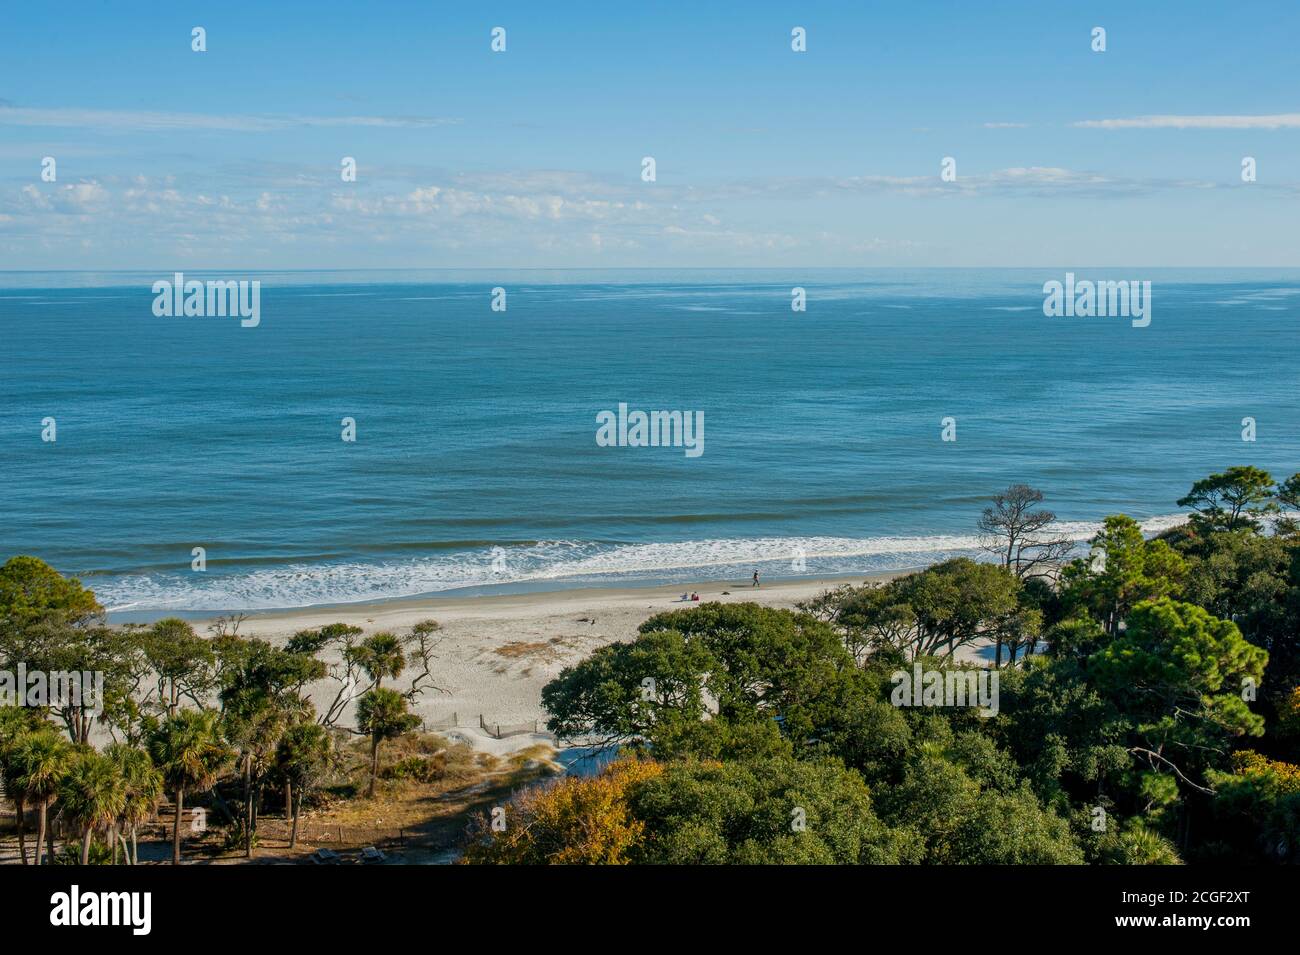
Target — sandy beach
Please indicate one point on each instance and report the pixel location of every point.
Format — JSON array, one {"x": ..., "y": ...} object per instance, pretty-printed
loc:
[{"x": 498, "y": 652}]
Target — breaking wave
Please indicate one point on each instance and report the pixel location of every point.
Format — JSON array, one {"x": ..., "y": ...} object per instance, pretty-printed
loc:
[{"x": 532, "y": 566}]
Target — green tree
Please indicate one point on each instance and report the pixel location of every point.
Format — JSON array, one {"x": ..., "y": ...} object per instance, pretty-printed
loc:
[
  {"x": 1288, "y": 492},
  {"x": 302, "y": 756},
  {"x": 1076, "y": 638},
  {"x": 382, "y": 715},
  {"x": 763, "y": 812},
  {"x": 931, "y": 613},
  {"x": 771, "y": 811},
  {"x": 1124, "y": 570},
  {"x": 874, "y": 619},
  {"x": 42, "y": 757},
  {"x": 254, "y": 723},
  {"x": 341, "y": 637},
  {"x": 965, "y": 821},
  {"x": 957, "y": 602},
  {"x": 1253, "y": 580},
  {"x": 92, "y": 794},
  {"x": 1135, "y": 843},
  {"x": 1067, "y": 738},
  {"x": 182, "y": 661},
  {"x": 191, "y": 754},
  {"x": 775, "y": 810},
  {"x": 859, "y": 725},
  {"x": 1179, "y": 673},
  {"x": 1239, "y": 576},
  {"x": 52, "y": 645},
  {"x": 250, "y": 666},
  {"x": 630, "y": 691},
  {"x": 260, "y": 699},
  {"x": 769, "y": 663},
  {"x": 1256, "y": 811},
  {"x": 144, "y": 791},
  {"x": 16, "y": 723},
  {"x": 31, "y": 590},
  {"x": 380, "y": 656},
  {"x": 1233, "y": 500},
  {"x": 1020, "y": 630}
]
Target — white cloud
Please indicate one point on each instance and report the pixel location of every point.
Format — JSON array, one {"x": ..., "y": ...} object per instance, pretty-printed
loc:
[
  {"x": 429, "y": 201},
  {"x": 73, "y": 198},
  {"x": 1018, "y": 181},
  {"x": 532, "y": 216},
  {"x": 1275, "y": 121},
  {"x": 145, "y": 121}
]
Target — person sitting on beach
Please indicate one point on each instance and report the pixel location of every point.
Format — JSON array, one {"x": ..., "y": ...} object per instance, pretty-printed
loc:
[
  {"x": 695, "y": 596},
  {"x": 685, "y": 597}
]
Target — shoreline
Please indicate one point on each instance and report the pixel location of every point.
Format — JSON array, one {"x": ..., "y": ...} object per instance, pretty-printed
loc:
[
  {"x": 502, "y": 594},
  {"x": 462, "y": 606},
  {"x": 827, "y": 559},
  {"x": 498, "y": 652}
]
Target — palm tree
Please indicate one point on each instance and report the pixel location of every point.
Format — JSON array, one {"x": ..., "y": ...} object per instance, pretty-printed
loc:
[
  {"x": 43, "y": 758},
  {"x": 302, "y": 757},
  {"x": 144, "y": 790},
  {"x": 92, "y": 793},
  {"x": 382, "y": 714},
  {"x": 254, "y": 723},
  {"x": 190, "y": 753},
  {"x": 15, "y": 723},
  {"x": 381, "y": 656}
]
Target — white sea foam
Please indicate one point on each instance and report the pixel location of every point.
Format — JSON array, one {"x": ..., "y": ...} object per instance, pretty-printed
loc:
[{"x": 565, "y": 562}]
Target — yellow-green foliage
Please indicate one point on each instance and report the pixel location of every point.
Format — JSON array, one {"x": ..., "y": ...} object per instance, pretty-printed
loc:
[
  {"x": 573, "y": 822},
  {"x": 1284, "y": 778}
]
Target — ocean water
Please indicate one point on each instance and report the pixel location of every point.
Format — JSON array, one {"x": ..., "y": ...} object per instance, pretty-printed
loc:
[{"x": 476, "y": 467}]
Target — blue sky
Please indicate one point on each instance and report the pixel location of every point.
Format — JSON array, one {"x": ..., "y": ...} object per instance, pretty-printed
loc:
[{"x": 167, "y": 158}]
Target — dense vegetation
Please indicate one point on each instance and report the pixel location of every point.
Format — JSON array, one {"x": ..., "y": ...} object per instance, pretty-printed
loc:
[
  {"x": 1149, "y": 709},
  {"x": 183, "y": 716}
]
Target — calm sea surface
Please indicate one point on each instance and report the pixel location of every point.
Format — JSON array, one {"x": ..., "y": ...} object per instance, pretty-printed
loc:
[{"x": 475, "y": 463}]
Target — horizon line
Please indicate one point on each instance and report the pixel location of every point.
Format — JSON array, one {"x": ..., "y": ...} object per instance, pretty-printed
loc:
[{"x": 632, "y": 268}]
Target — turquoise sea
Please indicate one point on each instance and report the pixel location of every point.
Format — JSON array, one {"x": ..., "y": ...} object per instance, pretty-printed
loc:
[{"x": 475, "y": 466}]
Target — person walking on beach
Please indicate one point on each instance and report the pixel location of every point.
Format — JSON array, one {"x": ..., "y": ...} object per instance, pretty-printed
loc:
[{"x": 755, "y": 578}]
